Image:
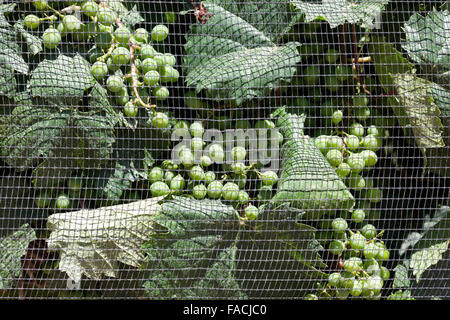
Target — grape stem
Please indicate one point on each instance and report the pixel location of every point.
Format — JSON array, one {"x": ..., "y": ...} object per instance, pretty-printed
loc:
[
  {"x": 108, "y": 53},
  {"x": 134, "y": 71}
]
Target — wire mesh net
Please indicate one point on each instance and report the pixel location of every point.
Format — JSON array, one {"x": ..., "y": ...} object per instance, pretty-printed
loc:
[{"x": 224, "y": 149}]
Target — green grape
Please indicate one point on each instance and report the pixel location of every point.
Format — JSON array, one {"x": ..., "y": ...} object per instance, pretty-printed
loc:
[
  {"x": 230, "y": 191},
  {"x": 335, "y": 142},
  {"x": 160, "y": 120},
  {"x": 343, "y": 170},
  {"x": 169, "y": 165},
  {"x": 71, "y": 23},
  {"x": 343, "y": 72},
  {"x": 238, "y": 153},
  {"x": 147, "y": 51},
  {"x": 369, "y": 231},
  {"x": 362, "y": 113},
  {"x": 383, "y": 255},
  {"x": 87, "y": 30},
  {"x": 51, "y": 38},
  {"x": 356, "y": 182},
  {"x": 62, "y": 30},
  {"x": 159, "y": 32},
  {"x": 352, "y": 142},
  {"x": 357, "y": 129},
  {"x": 331, "y": 56},
  {"x": 311, "y": 296},
  {"x": 384, "y": 273},
  {"x": 168, "y": 59},
  {"x": 169, "y": 74},
  {"x": 177, "y": 184},
  {"x": 196, "y": 129},
  {"x": 352, "y": 264},
  {"x": 161, "y": 93},
  {"x": 346, "y": 280},
  {"x": 371, "y": 142},
  {"x": 114, "y": 83},
  {"x": 216, "y": 153},
  {"x": 210, "y": 176},
  {"x": 199, "y": 191},
  {"x": 215, "y": 189},
  {"x": 205, "y": 161},
  {"x": 337, "y": 117},
  {"x": 196, "y": 173},
  {"x": 121, "y": 56},
  {"x": 89, "y": 8},
  {"x": 122, "y": 34},
  {"x": 31, "y": 21},
  {"x": 106, "y": 16},
  {"x": 243, "y": 197},
  {"x": 149, "y": 64},
  {"x": 371, "y": 267},
  {"x": 196, "y": 143},
  {"x": 156, "y": 174},
  {"x": 130, "y": 109},
  {"x": 159, "y": 189},
  {"x": 339, "y": 225},
  {"x": 170, "y": 17},
  {"x": 168, "y": 176},
  {"x": 373, "y": 284},
  {"x": 357, "y": 288},
  {"x": 358, "y": 215},
  {"x": 373, "y": 130},
  {"x": 269, "y": 178},
  {"x": 334, "y": 279},
  {"x": 357, "y": 241},
  {"x": 141, "y": 35},
  {"x": 371, "y": 251},
  {"x": 360, "y": 100},
  {"x": 99, "y": 70},
  {"x": 40, "y": 4},
  {"x": 334, "y": 157},
  {"x": 74, "y": 184},
  {"x": 370, "y": 157},
  {"x": 311, "y": 75},
  {"x": 251, "y": 212},
  {"x": 151, "y": 78},
  {"x": 321, "y": 143},
  {"x": 336, "y": 247},
  {"x": 186, "y": 158},
  {"x": 122, "y": 97},
  {"x": 238, "y": 167},
  {"x": 333, "y": 83},
  {"x": 374, "y": 195},
  {"x": 356, "y": 162},
  {"x": 62, "y": 202}
]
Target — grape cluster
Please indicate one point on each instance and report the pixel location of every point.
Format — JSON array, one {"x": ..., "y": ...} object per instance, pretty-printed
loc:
[
  {"x": 123, "y": 60},
  {"x": 201, "y": 170},
  {"x": 360, "y": 253}
]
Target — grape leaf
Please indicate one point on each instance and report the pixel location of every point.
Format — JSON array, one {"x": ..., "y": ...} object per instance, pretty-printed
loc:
[
  {"x": 232, "y": 59},
  {"x": 338, "y": 12},
  {"x": 425, "y": 258},
  {"x": 34, "y": 44},
  {"x": 32, "y": 134},
  {"x": 10, "y": 51},
  {"x": 183, "y": 216},
  {"x": 7, "y": 81},
  {"x": 93, "y": 242},
  {"x": 12, "y": 248},
  {"x": 401, "y": 278},
  {"x": 62, "y": 81},
  {"x": 415, "y": 108},
  {"x": 307, "y": 180},
  {"x": 428, "y": 39}
]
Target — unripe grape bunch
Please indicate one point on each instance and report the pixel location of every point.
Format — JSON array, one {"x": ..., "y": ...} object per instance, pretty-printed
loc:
[{"x": 118, "y": 51}]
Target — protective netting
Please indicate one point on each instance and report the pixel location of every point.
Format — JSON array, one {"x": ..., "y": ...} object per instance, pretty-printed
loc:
[{"x": 224, "y": 149}]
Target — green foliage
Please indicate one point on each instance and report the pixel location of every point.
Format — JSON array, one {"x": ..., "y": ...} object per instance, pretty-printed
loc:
[
  {"x": 338, "y": 12},
  {"x": 307, "y": 180},
  {"x": 232, "y": 58}
]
